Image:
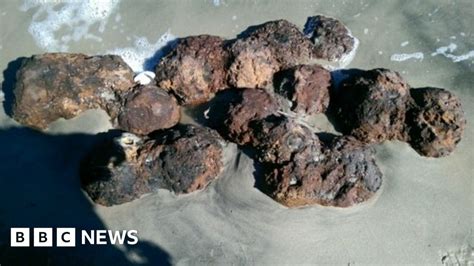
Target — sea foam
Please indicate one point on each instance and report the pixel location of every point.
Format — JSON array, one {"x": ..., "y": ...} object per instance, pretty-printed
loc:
[
  {"x": 449, "y": 49},
  {"x": 56, "y": 24},
  {"x": 143, "y": 55},
  {"x": 403, "y": 57}
]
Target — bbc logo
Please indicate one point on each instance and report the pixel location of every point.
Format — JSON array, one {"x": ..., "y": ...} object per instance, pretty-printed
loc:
[
  {"x": 42, "y": 237},
  {"x": 66, "y": 237}
]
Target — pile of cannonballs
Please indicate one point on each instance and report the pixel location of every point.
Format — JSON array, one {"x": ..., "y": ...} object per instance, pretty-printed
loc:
[{"x": 258, "y": 90}]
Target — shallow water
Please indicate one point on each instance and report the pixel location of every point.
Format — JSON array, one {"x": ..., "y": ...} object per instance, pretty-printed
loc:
[{"x": 423, "y": 214}]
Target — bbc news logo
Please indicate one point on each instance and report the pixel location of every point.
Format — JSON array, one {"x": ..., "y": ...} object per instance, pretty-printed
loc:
[{"x": 66, "y": 237}]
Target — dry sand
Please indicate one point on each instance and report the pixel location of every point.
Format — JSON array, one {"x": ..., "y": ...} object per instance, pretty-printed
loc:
[{"x": 424, "y": 211}]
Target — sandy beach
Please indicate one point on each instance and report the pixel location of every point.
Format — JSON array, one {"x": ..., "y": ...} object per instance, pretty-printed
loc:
[{"x": 423, "y": 214}]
